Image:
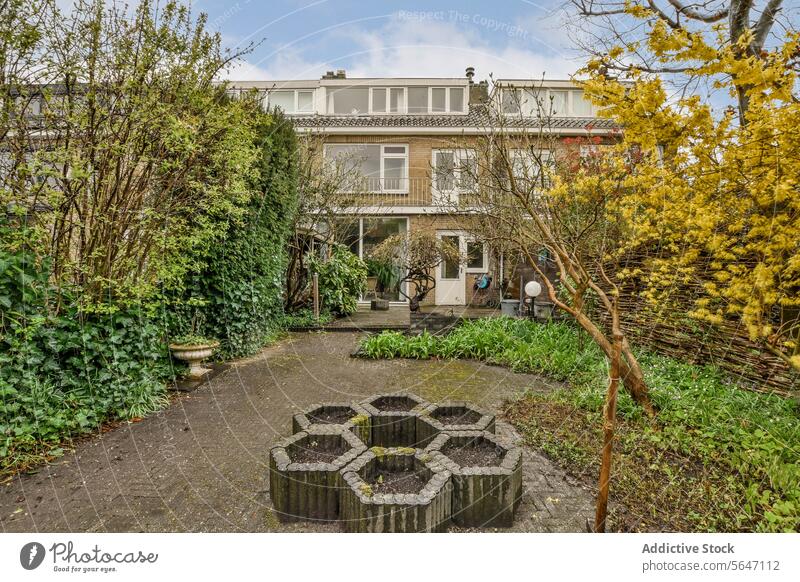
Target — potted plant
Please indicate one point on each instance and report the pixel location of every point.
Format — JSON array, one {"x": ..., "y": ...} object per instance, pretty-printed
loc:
[{"x": 193, "y": 349}]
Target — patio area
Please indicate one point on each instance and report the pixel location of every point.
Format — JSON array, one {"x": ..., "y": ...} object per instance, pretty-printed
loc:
[{"x": 201, "y": 465}]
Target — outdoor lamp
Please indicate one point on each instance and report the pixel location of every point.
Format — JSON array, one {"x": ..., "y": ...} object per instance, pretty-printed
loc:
[{"x": 532, "y": 290}]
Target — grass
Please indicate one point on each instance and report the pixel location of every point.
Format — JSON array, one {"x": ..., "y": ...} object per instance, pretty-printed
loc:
[{"x": 716, "y": 458}]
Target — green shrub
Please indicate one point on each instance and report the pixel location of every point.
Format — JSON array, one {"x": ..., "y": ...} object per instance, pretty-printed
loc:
[
  {"x": 238, "y": 295},
  {"x": 63, "y": 370},
  {"x": 342, "y": 279}
]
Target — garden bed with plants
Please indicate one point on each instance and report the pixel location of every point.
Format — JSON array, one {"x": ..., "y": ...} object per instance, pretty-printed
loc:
[{"x": 716, "y": 457}]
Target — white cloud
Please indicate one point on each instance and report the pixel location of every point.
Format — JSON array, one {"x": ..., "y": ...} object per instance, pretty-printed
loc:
[{"x": 417, "y": 46}]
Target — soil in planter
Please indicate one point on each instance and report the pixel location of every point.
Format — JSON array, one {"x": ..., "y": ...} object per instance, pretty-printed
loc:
[
  {"x": 394, "y": 404},
  {"x": 338, "y": 415},
  {"x": 398, "y": 481},
  {"x": 451, "y": 416},
  {"x": 317, "y": 452},
  {"x": 478, "y": 454}
]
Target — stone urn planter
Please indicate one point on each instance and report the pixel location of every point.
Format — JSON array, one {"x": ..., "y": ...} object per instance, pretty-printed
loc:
[
  {"x": 349, "y": 416},
  {"x": 486, "y": 474},
  {"x": 193, "y": 353},
  {"x": 304, "y": 472},
  {"x": 451, "y": 416},
  {"x": 396, "y": 490},
  {"x": 394, "y": 418}
]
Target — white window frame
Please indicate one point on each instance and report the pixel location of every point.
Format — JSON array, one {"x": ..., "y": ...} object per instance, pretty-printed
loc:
[
  {"x": 447, "y": 109},
  {"x": 266, "y": 102},
  {"x": 297, "y": 101},
  {"x": 404, "y": 189},
  {"x": 527, "y": 110},
  {"x": 361, "y": 248},
  {"x": 458, "y": 155},
  {"x": 388, "y": 92},
  {"x": 485, "y": 259},
  {"x": 547, "y": 158}
]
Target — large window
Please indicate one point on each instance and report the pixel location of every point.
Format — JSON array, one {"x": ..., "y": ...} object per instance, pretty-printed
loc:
[
  {"x": 454, "y": 170},
  {"x": 348, "y": 101},
  {"x": 541, "y": 102},
  {"x": 532, "y": 168},
  {"x": 362, "y": 235},
  {"x": 372, "y": 167},
  {"x": 291, "y": 100},
  {"x": 414, "y": 100}
]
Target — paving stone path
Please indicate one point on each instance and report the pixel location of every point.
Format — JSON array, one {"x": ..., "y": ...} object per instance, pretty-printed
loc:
[{"x": 201, "y": 465}]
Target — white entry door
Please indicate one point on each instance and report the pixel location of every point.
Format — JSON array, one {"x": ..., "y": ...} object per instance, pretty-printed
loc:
[{"x": 451, "y": 277}]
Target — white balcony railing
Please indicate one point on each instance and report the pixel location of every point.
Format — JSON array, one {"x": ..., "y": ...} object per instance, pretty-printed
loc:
[{"x": 376, "y": 191}]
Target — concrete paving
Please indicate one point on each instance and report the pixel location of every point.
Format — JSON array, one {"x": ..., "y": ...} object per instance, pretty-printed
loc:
[{"x": 201, "y": 464}]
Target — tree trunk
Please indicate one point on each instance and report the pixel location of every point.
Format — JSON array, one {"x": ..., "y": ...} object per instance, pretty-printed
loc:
[
  {"x": 609, "y": 420},
  {"x": 630, "y": 371}
]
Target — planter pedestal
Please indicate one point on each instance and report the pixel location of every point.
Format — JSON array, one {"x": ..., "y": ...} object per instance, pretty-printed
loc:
[{"x": 194, "y": 356}]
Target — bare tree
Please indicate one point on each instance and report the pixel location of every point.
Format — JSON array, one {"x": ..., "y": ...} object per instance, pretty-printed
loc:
[
  {"x": 534, "y": 192},
  {"x": 332, "y": 196}
]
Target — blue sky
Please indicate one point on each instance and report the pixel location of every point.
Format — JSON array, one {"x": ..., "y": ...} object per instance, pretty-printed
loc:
[{"x": 303, "y": 38}]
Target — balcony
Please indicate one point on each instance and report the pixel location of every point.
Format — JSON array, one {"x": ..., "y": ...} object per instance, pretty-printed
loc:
[{"x": 381, "y": 192}]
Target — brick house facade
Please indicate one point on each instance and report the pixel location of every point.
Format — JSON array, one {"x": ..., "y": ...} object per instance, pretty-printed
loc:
[{"x": 404, "y": 131}]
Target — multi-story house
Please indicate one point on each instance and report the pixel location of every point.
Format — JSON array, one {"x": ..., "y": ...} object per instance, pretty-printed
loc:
[{"x": 414, "y": 140}]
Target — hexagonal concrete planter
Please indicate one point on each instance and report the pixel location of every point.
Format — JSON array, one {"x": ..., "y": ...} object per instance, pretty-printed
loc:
[
  {"x": 451, "y": 416},
  {"x": 487, "y": 477},
  {"x": 350, "y": 416},
  {"x": 394, "y": 418},
  {"x": 395, "y": 490},
  {"x": 304, "y": 472}
]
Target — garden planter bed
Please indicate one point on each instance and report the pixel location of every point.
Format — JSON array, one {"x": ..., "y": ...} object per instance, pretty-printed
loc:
[
  {"x": 487, "y": 477},
  {"x": 394, "y": 419},
  {"x": 305, "y": 478},
  {"x": 396, "y": 490},
  {"x": 352, "y": 417},
  {"x": 449, "y": 417}
]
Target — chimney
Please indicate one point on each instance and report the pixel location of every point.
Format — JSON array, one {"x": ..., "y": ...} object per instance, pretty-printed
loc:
[
  {"x": 470, "y": 74},
  {"x": 479, "y": 92},
  {"x": 339, "y": 74}
]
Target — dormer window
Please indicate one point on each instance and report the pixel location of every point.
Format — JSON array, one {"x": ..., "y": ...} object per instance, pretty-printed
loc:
[
  {"x": 348, "y": 101},
  {"x": 291, "y": 100},
  {"x": 545, "y": 102},
  {"x": 412, "y": 100}
]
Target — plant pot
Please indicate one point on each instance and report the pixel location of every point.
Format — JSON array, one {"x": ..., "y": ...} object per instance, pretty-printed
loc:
[
  {"x": 305, "y": 472},
  {"x": 352, "y": 417},
  {"x": 487, "y": 488},
  {"x": 448, "y": 417},
  {"x": 394, "y": 418},
  {"x": 419, "y": 502},
  {"x": 194, "y": 355}
]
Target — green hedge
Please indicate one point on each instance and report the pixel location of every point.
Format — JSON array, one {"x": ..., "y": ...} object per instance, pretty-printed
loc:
[
  {"x": 64, "y": 371},
  {"x": 241, "y": 288}
]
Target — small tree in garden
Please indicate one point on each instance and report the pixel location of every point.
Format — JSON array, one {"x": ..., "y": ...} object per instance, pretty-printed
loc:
[
  {"x": 418, "y": 255},
  {"x": 533, "y": 192},
  {"x": 325, "y": 189},
  {"x": 342, "y": 279}
]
